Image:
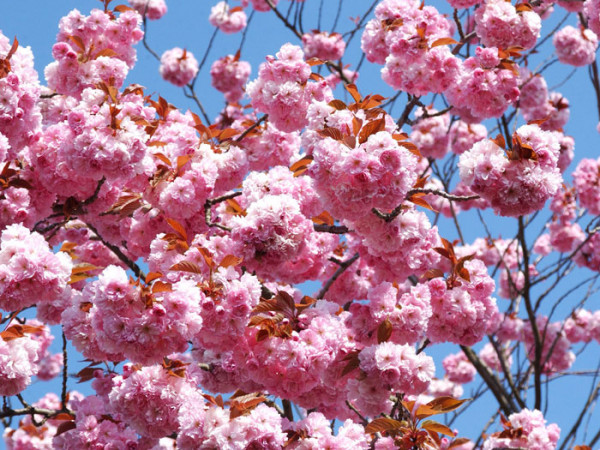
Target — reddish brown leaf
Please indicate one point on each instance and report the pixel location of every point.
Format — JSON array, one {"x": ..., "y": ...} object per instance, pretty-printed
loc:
[
  {"x": 85, "y": 374},
  {"x": 522, "y": 7},
  {"x": 78, "y": 42},
  {"x": 13, "y": 48},
  {"x": 411, "y": 148},
  {"x": 323, "y": 219},
  {"x": 459, "y": 442},
  {"x": 123, "y": 8},
  {"x": 424, "y": 411},
  {"x": 371, "y": 128},
  {"x": 353, "y": 91},
  {"x": 304, "y": 162},
  {"x": 63, "y": 416},
  {"x": 159, "y": 286},
  {"x": 443, "y": 41},
  {"x": 83, "y": 268},
  {"x": 234, "y": 208},
  {"x": 384, "y": 331},
  {"x": 80, "y": 277},
  {"x": 187, "y": 266},
  {"x": 179, "y": 229},
  {"x": 432, "y": 273},
  {"x": 314, "y": 62},
  {"x": 151, "y": 276},
  {"x": 106, "y": 52},
  {"x": 432, "y": 425},
  {"x": 445, "y": 404},
  {"x": 417, "y": 200},
  {"x": 228, "y": 133},
  {"x": 353, "y": 362},
  {"x": 207, "y": 256},
  {"x": 231, "y": 260},
  {"x": 332, "y": 133},
  {"x": 338, "y": 104},
  {"x": 159, "y": 155},
  {"x": 64, "y": 427},
  {"x": 382, "y": 424},
  {"x": 316, "y": 77}
]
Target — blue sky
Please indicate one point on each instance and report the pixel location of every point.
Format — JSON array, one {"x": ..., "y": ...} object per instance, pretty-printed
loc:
[{"x": 35, "y": 23}]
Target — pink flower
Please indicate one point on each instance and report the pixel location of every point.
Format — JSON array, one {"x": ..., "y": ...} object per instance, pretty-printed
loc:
[{"x": 178, "y": 66}]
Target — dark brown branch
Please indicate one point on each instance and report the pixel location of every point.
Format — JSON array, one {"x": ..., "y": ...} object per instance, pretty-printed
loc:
[
  {"x": 250, "y": 128},
  {"x": 333, "y": 229},
  {"x": 119, "y": 253},
  {"x": 491, "y": 381},
  {"x": 335, "y": 276},
  {"x": 456, "y": 198},
  {"x": 537, "y": 363},
  {"x": 208, "y": 209}
]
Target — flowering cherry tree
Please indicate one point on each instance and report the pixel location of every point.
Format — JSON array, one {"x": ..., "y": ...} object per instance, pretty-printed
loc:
[{"x": 172, "y": 248}]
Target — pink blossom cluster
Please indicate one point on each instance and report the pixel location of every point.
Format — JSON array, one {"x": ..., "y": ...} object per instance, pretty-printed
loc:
[
  {"x": 49, "y": 365},
  {"x": 302, "y": 367},
  {"x": 282, "y": 89},
  {"x": 229, "y": 75},
  {"x": 351, "y": 181},
  {"x": 29, "y": 272},
  {"x": 124, "y": 320},
  {"x": 414, "y": 61},
  {"x": 458, "y": 368},
  {"x": 271, "y": 147},
  {"x": 228, "y": 20},
  {"x": 431, "y": 134},
  {"x": 323, "y": 45},
  {"x": 556, "y": 353},
  {"x": 215, "y": 427},
  {"x": 93, "y": 145},
  {"x": 18, "y": 363},
  {"x": 464, "y": 135},
  {"x": 226, "y": 312},
  {"x": 489, "y": 356},
  {"x": 272, "y": 232},
  {"x": 95, "y": 426},
  {"x": 399, "y": 248},
  {"x": 93, "y": 49},
  {"x": 463, "y": 311},
  {"x": 397, "y": 367},
  {"x": 583, "y": 326},
  {"x": 152, "y": 9},
  {"x": 514, "y": 185},
  {"x": 586, "y": 181},
  {"x": 261, "y": 5},
  {"x": 408, "y": 313},
  {"x": 484, "y": 88},
  {"x": 591, "y": 11},
  {"x": 20, "y": 117},
  {"x": 149, "y": 399},
  {"x": 315, "y": 431},
  {"x": 500, "y": 24},
  {"x": 178, "y": 66},
  {"x": 536, "y": 435},
  {"x": 574, "y": 46}
]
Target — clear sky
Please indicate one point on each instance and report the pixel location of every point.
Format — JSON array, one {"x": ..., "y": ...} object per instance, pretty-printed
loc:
[{"x": 35, "y": 23}]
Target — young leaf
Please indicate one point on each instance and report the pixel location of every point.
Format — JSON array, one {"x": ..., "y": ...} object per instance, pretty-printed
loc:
[
  {"x": 384, "y": 331},
  {"x": 382, "y": 424},
  {"x": 179, "y": 229},
  {"x": 445, "y": 404},
  {"x": 443, "y": 41},
  {"x": 351, "y": 88},
  {"x": 187, "y": 266},
  {"x": 432, "y": 425}
]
